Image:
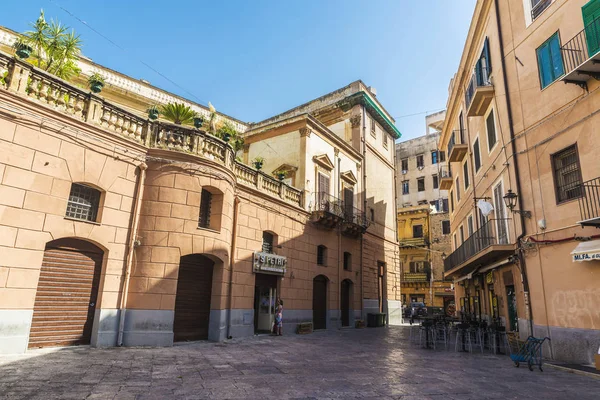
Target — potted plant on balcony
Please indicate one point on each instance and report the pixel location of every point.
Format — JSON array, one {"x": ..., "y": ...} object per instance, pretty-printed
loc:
[
  {"x": 153, "y": 112},
  {"x": 258, "y": 163},
  {"x": 96, "y": 82},
  {"x": 281, "y": 174},
  {"x": 198, "y": 122},
  {"x": 22, "y": 49},
  {"x": 178, "y": 113}
]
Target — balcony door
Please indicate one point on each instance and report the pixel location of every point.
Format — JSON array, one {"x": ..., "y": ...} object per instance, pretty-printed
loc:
[
  {"x": 501, "y": 221},
  {"x": 591, "y": 21},
  {"x": 348, "y": 197},
  {"x": 323, "y": 189}
]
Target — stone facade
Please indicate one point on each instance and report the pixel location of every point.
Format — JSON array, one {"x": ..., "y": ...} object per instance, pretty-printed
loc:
[{"x": 152, "y": 177}]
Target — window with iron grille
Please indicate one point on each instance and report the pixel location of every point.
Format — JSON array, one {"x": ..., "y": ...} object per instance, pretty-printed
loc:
[
  {"x": 405, "y": 187},
  {"x": 405, "y": 164},
  {"x": 445, "y": 227},
  {"x": 84, "y": 202},
  {"x": 417, "y": 231},
  {"x": 420, "y": 161},
  {"x": 567, "y": 174},
  {"x": 321, "y": 255},
  {"x": 205, "y": 204},
  {"x": 421, "y": 184},
  {"x": 267, "y": 244},
  {"x": 347, "y": 261}
]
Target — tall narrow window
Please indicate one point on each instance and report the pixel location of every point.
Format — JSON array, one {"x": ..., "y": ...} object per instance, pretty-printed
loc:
[
  {"x": 451, "y": 202},
  {"x": 84, "y": 202},
  {"x": 323, "y": 197},
  {"x": 466, "y": 174},
  {"x": 500, "y": 210},
  {"x": 550, "y": 61},
  {"x": 405, "y": 187},
  {"x": 476, "y": 155},
  {"x": 417, "y": 231},
  {"x": 321, "y": 255},
  {"x": 490, "y": 124},
  {"x": 462, "y": 234},
  {"x": 470, "y": 225},
  {"x": 267, "y": 246},
  {"x": 442, "y": 156},
  {"x": 461, "y": 128},
  {"x": 385, "y": 140},
  {"x": 421, "y": 184},
  {"x": 457, "y": 190},
  {"x": 373, "y": 127},
  {"x": 348, "y": 193},
  {"x": 205, "y": 205},
  {"x": 444, "y": 205},
  {"x": 436, "y": 183},
  {"x": 445, "y": 227},
  {"x": 347, "y": 261},
  {"x": 420, "y": 161},
  {"x": 434, "y": 157},
  {"x": 405, "y": 164},
  {"x": 567, "y": 174}
]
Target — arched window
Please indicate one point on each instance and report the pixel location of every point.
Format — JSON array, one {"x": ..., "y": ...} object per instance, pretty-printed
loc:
[
  {"x": 84, "y": 202},
  {"x": 347, "y": 261},
  {"x": 211, "y": 209},
  {"x": 321, "y": 255}
]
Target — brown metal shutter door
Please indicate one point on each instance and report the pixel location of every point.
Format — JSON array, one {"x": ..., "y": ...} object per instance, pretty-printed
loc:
[
  {"x": 66, "y": 295},
  {"x": 320, "y": 302},
  {"x": 192, "y": 302}
]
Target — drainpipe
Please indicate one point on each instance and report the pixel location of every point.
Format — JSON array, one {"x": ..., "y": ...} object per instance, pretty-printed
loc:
[
  {"x": 516, "y": 161},
  {"x": 133, "y": 229},
  {"x": 364, "y": 198},
  {"x": 339, "y": 234},
  {"x": 236, "y": 203}
]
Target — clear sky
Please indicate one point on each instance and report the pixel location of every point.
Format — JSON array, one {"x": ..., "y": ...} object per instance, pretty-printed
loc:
[{"x": 253, "y": 59}]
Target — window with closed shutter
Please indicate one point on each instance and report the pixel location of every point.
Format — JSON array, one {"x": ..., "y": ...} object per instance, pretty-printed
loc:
[
  {"x": 323, "y": 189},
  {"x": 349, "y": 201},
  {"x": 476, "y": 155},
  {"x": 550, "y": 61},
  {"x": 205, "y": 204},
  {"x": 490, "y": 125}
]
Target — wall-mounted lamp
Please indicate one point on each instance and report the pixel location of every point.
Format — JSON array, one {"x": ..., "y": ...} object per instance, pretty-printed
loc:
[{"x": 510, "y": 199}]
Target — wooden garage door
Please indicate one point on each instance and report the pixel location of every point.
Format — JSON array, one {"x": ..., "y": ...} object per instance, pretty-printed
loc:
[
  {"x": 192, "y": 303},
  {"x": 66, "y": 295},
  {"x": 320, "y": 302}
]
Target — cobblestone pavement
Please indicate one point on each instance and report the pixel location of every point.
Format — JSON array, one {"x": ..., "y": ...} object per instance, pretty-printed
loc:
[{"x": 366, "y": 363}]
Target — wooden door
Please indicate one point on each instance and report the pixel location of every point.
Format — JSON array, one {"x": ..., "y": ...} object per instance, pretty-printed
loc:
[
  {"x": 192, "y": 302},
  {"x": 345, "y": 302},
  {"x": 67, "y": 292},
  {"x": 320, "y": 302}
]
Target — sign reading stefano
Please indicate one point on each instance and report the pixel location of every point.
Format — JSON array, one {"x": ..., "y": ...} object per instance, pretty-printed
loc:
[{"x": 269, "y": 263}]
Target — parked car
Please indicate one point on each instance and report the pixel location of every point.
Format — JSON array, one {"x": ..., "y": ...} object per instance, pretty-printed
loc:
[{"x": 415, "y": 310}]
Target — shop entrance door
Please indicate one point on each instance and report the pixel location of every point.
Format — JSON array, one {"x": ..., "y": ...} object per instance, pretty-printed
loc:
[
  {"x": 512, "y": 308},
  {"x": 265, "y": 294},
  {"x": 320, "y": 302},
  {"x": 345, "y": 302}
]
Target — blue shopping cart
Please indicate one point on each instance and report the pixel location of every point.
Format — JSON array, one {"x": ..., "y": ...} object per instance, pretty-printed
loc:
[{"x": 529, "y": 352}]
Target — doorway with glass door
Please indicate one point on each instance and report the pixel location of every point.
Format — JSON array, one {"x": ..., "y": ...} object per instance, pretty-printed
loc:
[{"x": 265, "y": 295}]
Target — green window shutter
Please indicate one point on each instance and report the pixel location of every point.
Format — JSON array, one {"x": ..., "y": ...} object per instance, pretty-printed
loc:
[
  {"x": 550, "y": 61},
  {"x": 558, "y": 69},
  {"x": 488, "y": 59},
  {"x": 591, "y": 21}
]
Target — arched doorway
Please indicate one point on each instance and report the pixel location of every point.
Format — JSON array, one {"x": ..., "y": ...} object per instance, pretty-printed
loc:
[
  {"x": 192, "y": 301},
  {"x": 320, "y": 302},
  {"x": 67, "y": 292},
  {"x": 346, "y": 301}
]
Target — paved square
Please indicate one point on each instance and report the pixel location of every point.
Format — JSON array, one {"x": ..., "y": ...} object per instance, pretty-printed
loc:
[{"x": 366, "y": 363}]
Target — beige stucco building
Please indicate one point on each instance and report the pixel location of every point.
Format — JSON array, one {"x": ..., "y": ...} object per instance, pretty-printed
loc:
[
  {"x": 521, "y": 117},
  {"x": 115, "y": 229}
]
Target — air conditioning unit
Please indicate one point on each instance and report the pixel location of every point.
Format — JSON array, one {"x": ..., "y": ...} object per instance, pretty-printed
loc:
[{"x": 404, "y": 172}]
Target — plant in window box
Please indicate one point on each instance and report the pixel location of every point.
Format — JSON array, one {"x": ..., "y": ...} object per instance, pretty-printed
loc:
[
  {"x": 96, "y": 82},
  {"x": 258, "y": 163},
  {"x": 22, "y": 49},
  {"x": 153, "y": 112},
  {"x": 281, "y": 174}
]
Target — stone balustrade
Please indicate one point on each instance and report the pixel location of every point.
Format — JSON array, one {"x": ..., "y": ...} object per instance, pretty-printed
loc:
[{"x": 41, "y": 87}]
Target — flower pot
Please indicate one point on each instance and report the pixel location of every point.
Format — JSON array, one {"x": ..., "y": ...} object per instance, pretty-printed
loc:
[
  {"x": 226, "y": 137},
  {"x": 258, "y": 165},
  {"x": 198, "y": 122},
  {"x": 281, "y": 176},
  {"x": 153, "y": 114},
  {"x": 24, "y": 52},
  {"x": 96, "y": 87}
]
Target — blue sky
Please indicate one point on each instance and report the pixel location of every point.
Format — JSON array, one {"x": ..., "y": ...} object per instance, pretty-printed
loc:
[{"x": 254, "y": 59}]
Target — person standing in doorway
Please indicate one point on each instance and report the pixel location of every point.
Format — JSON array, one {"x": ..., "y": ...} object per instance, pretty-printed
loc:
[{"x": 279, "y": 317}]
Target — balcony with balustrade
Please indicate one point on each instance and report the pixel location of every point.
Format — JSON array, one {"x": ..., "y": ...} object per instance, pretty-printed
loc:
[
  {"x": 415, "y": 277},
  {"x": 414, "y": 242},
  {"x": 488, "y": 244},
  {"x": 153, "y": 140},
  {"x": 445, "y": 177},
  {"x": 581, "y": 56},
  {"x": 480, "y": 92},
  {"x": 457, "y": 148},
  {"x": 355, "y": 222},
  {"x": 589, "y": 203}
]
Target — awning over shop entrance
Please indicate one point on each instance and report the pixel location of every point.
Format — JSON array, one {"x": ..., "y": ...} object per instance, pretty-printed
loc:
[{"x": 587, "y": 251}]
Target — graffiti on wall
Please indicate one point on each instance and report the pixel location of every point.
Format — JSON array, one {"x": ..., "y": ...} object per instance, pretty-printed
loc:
[{"x": 577, "y": 308}]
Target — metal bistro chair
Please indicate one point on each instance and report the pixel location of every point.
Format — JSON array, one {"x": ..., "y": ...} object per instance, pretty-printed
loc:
[
  {"x": 463, "y": 338},
  {"x": 441, "y": 334},
  {"x": 499, "y": 339},
  {"x": 426, "y": 332}
]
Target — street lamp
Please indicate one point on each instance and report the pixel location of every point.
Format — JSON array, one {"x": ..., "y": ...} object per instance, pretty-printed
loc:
[{"x": 510, "y": 199}]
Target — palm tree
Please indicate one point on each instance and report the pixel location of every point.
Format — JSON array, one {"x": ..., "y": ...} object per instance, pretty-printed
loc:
[
  {"x": 178, "y": 113},
  {"x": 37, "y": 38}
]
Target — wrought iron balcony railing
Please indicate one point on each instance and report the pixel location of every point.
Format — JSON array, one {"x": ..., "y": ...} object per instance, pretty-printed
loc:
[
  {"x": 354, "y": 216},
  {"x": 480, "y": 78},
  {"x": 444, "y": 171},
  {"x": 581, "y": 48},
  {"x": 589, "y": 202},
  {"x": 329, "y": 204},
  {"x": 493, "y": 232}
]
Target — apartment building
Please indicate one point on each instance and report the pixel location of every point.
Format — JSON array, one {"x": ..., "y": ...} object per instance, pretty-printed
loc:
[
  {"x": 154, "y": 233},
  {"x": 519, "y": 136}
]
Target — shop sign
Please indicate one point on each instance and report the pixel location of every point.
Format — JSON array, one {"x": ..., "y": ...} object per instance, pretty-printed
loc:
[
  {"x": 579, "y": 257},
  {"x": 269, "y": 263}
]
